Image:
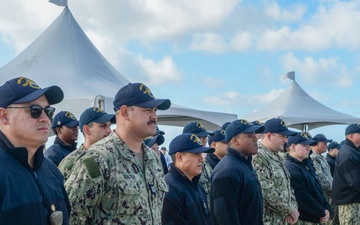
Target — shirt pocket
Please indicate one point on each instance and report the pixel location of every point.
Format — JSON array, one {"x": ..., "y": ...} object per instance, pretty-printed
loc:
[{"x": 132, "y": 194}]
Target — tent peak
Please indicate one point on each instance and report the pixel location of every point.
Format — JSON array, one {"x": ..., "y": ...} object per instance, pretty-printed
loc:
[
  {"x": 290, "y": 75},
  {"x": 60, "y": 2}
]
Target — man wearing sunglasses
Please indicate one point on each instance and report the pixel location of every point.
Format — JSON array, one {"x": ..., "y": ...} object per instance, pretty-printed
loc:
[
  {"x": 31, "y": 187},
  {"x": 66, "y": 129},
  {"x": 119, "y": 180}
]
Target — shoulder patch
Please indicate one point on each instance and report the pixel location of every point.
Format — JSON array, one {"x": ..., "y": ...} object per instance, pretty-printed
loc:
[{"x": 92, "y": 167}]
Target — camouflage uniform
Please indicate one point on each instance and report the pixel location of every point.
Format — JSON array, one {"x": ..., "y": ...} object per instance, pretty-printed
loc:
[
  {"x": 205, "y": 179},
  {"x": 68, "y": 162},
  {"x": 322, "y": 170},
  {"x": 279, "y": 198},
  {"x": 109, "y": 186},
  {"x": 350, "y": 214}
]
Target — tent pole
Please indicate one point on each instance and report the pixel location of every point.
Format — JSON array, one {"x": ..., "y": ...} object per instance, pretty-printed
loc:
[{"x": 304, "y": 128}]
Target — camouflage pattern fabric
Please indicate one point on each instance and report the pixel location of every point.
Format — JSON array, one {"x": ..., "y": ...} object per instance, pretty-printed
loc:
[
  {"x": 322, "y": 170},
  {"x": 349, "y": 214},
  {"x": 279, "y": 198},
  {"x": 205, "y": 179},
  {"x": 68, "y": 162},
  {"x": 108, "y": 186}
]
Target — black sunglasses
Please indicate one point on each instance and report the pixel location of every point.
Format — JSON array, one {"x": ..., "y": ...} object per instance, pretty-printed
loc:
[{"x": 36, "y": 110}]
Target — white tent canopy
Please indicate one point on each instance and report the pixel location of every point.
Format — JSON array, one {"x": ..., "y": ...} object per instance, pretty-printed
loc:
[
  {"x": 63, "y": 55},
  {"x": 299, "y": 110}
]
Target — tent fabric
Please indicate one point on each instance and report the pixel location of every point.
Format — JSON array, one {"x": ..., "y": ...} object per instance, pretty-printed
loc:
[
  {"x": 299, "y": 110},
  {"x": 63, "y": 55}
]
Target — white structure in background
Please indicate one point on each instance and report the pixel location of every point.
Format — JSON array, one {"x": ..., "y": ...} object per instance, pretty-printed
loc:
[
  {"x": 299, "y": 110},
  {"x": 63, "y": 55}
]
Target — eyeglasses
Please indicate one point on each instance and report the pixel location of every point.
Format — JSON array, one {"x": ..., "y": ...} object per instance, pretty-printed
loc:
[{"x": 36, "y": 110}]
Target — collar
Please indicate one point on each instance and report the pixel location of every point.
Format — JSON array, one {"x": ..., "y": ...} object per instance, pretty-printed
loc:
[
  {"x": 266, "y": 151},
  {"x": 70, "y": 148},
  {"x": 21, "y": 153},
  {"x": 126, "y": 152},
  {"x": 212, "y": 156},
  {"x": 235, "y": 153},
  {"x": 351, "y": 144},
  {"x": 174, "y": 169}
]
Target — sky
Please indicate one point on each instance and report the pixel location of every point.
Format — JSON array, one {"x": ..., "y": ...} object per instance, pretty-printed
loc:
[{"x": 223, "y": 56}]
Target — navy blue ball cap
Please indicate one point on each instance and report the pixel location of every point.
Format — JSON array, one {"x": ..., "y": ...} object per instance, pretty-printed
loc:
[
  {"x": 321, "y": 138},
  {"x": 257, "y": 122},
  {"x": 188, "y": 143},
  {"x": 224, "y": 126},
  {"x": 300, "y": 138},
  {"x": 138, "y": 94},
  {"x": 95, "y": 114},
  {"x": 219, "y": 136},
  {"x": 196, "y": 128},
  {"x": 334, "y": 144},
  {"x": 352, "y": 129},
  {"x": 23, "y": 90},
  {"x": 158, "y": 131},
  {"x": 241, "y": 126},
  {"x": 278, "y": 126},
  {"x": 150, "y": 141},
  {"x": 64, "y": 118}
]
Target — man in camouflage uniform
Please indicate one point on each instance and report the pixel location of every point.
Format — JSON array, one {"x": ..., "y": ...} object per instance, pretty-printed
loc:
[
  {"x": 119, "y": 180},
  {"x": 95, "y": 125},
  {"x": 205, "y": 178},
  {"x": 322, "y": 168},
  {"x": 280, "y": 206},
  {"x": 346, "y": 186}
]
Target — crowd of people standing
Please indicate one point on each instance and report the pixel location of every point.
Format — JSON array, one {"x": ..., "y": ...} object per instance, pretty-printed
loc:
[{"x": 243, "y": 173}]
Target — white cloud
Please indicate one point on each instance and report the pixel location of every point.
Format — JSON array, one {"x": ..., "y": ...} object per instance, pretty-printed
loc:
[
  {"x": 294, "y": 14},
  {"x": 321, "y": 71},
  {"x": 211, "y": 82},
  {"x": 137, "y": 68},
  {"x": 160, "y": 72},
  {"x": 209, "y": 42},
  {"x": 234, "y": 99},
  {"x": 20, "y": 22},
  {"x": 334, "y": 24}
]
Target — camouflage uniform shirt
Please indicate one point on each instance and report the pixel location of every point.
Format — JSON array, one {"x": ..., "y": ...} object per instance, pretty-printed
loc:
[
  {"x": 205, "y": 179},
  {"x": 109, "y": 186},
  {"x": 322, "y": 170},
  {"x": 68, "y": 162},
  {"x": 279, "y": 198}
]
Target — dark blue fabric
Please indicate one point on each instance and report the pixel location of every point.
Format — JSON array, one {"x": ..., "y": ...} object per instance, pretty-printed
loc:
[
  {"x": 331, "y": 161},
  {"x": 163, "y": 163},
  {"x": 212, "y": 159},
  {"x": 58, "y": 151},
  {"x": 346, "y": 185},
  {"x": 28, "y": 195},
  {"x": 185, "y": 203},
  {"x": 236, "y": 196},
  {"x": 311, "y": 200}
]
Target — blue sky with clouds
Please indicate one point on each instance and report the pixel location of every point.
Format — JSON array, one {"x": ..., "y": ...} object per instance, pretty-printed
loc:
[{"x": 226, "y": 56}]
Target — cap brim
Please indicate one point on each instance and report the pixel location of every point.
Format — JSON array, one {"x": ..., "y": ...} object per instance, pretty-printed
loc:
[
  {"x": 53, "y": 94},
  {"x": 309, "y": 142},
  {"x": 201, "y": 150},
  {"x": 254, "y": 128},
  {"x": 161, "y": 104},
  {"x": 204, "y": 134},
  {"x": 105, "y": 118},
  {"x": 287, "y": 133},
  {"x": 73, "y": 123},
  {"x": 158, "y": 139}
]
